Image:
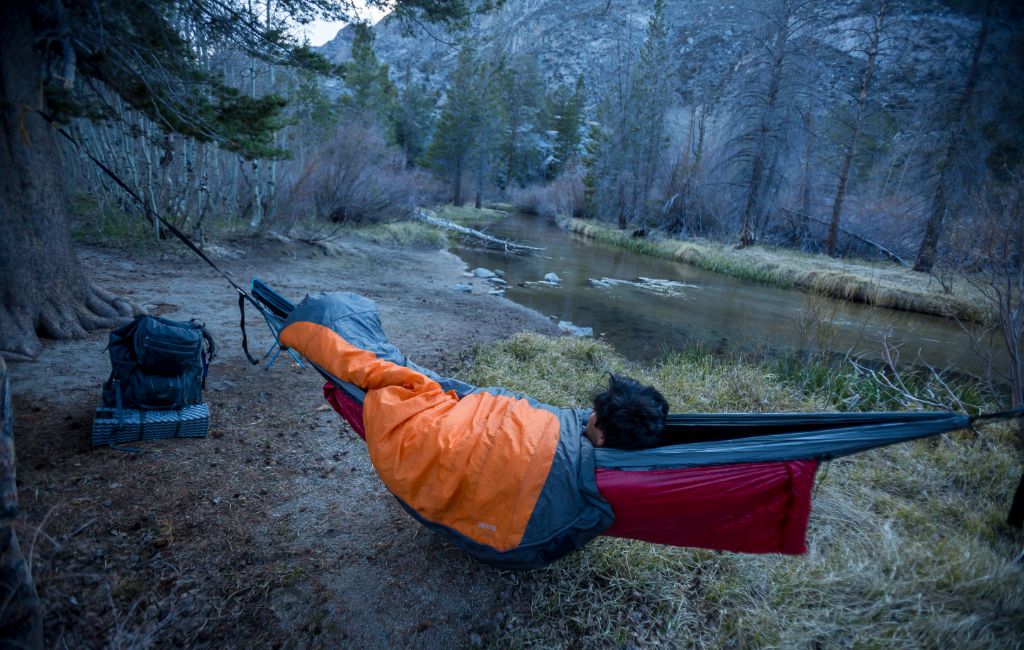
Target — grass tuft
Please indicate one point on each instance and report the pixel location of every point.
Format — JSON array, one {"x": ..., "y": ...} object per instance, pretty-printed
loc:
[
  {"x": 907, "y": 545},
  {"x": 402, "y": 233},
  {"x": 469, "y": 216},
  {"x": 883, "y": 284}
]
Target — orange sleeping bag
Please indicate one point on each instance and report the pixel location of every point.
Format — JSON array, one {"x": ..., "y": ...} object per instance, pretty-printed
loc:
[{"x": 508, "y": 479}]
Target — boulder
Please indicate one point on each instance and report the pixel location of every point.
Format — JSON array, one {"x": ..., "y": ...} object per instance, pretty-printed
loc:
[{"x": 575, "y": 330}]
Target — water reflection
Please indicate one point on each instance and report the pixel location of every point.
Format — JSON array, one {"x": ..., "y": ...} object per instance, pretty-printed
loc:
[{"x": 644, "y": 306}]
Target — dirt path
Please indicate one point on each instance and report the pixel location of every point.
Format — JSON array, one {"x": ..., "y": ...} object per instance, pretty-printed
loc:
[{"x": 274, "y": 530}]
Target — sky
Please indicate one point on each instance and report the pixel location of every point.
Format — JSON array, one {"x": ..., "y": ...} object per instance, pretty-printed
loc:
[{"x": 321, "y": 31}]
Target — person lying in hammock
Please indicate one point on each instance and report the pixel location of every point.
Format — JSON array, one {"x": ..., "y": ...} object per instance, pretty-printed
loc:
[
  {"x": 506, "y": 478},
  {"x": 627, "y": 415}
]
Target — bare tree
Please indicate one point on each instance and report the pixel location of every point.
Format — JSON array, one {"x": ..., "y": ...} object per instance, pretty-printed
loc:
[
  {"x": 956, "y": 137},
  {"x": 765, "y": 101},
  {"x": 871, "y": 51},
  {"x": 632, "y": 143},
  {"x": 996, "y": 271}
]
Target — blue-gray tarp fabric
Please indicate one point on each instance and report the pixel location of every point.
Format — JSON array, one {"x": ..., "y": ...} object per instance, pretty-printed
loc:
[{"x": 831, "y": 435}]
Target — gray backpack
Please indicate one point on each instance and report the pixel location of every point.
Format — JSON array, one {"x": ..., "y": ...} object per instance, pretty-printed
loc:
[{"x": 157, "y": 364}]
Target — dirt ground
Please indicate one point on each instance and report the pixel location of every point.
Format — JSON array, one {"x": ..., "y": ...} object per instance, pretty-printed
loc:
[{"x": 273, "y": 531}]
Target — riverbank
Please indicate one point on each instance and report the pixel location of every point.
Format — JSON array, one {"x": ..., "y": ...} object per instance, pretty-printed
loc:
[
  {"x": 907, "y": 544},
  {"x": 275, "y": 529},
  {"x": 873, "y": 283}
]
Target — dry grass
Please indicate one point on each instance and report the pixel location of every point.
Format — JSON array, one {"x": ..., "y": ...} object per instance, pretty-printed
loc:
[
  {"x": 467, "y": 215},
  {"x": 880, "y": 283},
  {"x": 402, "y": 233},
  {"x": 907, "y": 545}
]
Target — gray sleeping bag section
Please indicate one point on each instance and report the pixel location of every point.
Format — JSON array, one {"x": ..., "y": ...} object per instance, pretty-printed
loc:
[{"x": 356, "y": 319}]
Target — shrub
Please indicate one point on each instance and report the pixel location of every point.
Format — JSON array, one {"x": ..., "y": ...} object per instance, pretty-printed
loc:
[
  {"x": 563, "y": 197},
  {"x": 356, "y": 177}
]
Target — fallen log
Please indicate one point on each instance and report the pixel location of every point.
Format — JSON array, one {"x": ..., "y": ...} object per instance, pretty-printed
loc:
[
  {"x": 482, "y": 237},
  {"x": 881, "y": 249}
]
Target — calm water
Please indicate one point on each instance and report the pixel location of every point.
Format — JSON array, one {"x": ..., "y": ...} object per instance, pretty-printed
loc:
[{"x": 645, "y": 306}]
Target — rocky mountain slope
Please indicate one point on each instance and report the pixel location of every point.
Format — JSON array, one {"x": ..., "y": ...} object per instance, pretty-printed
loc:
[{"x": 710, "y": 39}]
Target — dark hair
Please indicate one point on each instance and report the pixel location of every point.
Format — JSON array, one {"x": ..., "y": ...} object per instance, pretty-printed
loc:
[{"x": 631, "y": 415}]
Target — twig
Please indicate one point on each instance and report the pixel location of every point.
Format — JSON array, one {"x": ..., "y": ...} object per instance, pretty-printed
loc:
[
  {"x": 35, "y": 537},
  {"x": 79, "y": 529}
]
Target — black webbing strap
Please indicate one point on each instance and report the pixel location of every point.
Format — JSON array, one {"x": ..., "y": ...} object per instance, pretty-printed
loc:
[
  {"x": 1000, "y": 415},
  {"x": 241, "y": 323},
  {"x": 243, "y": 296}
]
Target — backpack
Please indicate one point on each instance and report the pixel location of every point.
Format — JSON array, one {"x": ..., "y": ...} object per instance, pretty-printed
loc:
[{"x": 157, "y": 364}]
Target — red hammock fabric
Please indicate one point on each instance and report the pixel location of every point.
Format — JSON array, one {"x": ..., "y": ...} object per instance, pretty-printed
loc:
[{"x": 745, "y": 508}]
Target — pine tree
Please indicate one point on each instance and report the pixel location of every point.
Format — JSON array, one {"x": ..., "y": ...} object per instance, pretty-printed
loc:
[
  {"x": 467, "y": 133},
  {"x": 520, "y": 95},
  {"x": 413, "y": 118},
  {"x": 370, "y": 93},
  {"x": 567, "y": 108}
]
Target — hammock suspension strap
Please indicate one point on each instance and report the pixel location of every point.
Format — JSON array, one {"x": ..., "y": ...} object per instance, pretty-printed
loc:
[{"x": 243, "y": 295}]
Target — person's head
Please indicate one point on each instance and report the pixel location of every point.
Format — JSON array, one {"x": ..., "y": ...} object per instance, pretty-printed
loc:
[{"x": 627, "y": 415}]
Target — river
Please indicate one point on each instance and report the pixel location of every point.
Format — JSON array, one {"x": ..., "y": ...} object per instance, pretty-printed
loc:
[{"x": 646, "y": 306}]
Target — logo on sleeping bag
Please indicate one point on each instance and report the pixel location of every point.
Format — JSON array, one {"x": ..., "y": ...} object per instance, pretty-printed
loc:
[{"x": 486, "y": 526}]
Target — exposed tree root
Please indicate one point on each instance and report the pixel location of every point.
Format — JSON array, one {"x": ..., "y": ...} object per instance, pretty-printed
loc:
[{"x": 20, "y": 330}]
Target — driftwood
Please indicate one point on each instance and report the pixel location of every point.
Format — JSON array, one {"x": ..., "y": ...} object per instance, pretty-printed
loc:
[
  {"x": 881, "y": 249},
  {"x": 20, "y": 613},
  {"x": 482, "y": 237}
]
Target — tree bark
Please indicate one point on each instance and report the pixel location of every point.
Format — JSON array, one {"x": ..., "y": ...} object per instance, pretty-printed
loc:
[
  {"x": 808, "y": 180},
  {"x": 20, "y": 613},
  {"x": 42, "y": 288},
  {"x": 457, "y": 186}
]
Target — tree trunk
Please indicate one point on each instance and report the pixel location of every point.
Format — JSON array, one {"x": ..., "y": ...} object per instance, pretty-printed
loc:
[
  {"x": 858, "y": 120},
  {"x": 457, "y": 189},
  {"x": 271, "y": 198},
  {"x": 42, "y": 288},
  {"x": 753, "y": 203},
  {"x": 21, "y": 616},
  {"x": 837, "y": 204},
  {"x": 808, "y": 181},
  {"x": 478, "y": 200},
  {"x": 513, "y": 145},
  {"x": 933, "y": 229},
  {"x": 746, "y": 227},
  {"x": 257, "y": 198}
]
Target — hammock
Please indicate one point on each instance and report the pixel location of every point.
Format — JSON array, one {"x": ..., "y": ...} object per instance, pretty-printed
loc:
[{"x": 735, "y": 482}]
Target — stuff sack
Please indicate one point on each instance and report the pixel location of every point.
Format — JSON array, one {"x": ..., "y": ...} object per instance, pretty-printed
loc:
[{"x": 157, "y": 364}]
